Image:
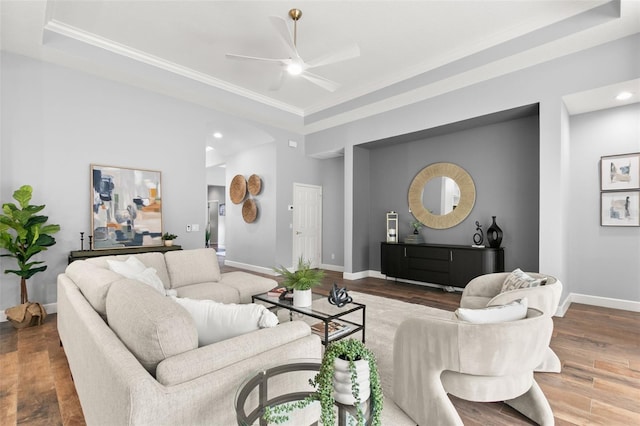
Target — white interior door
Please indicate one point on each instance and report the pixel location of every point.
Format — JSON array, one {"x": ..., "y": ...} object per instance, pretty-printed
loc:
[{"x": 307, "y": 224}]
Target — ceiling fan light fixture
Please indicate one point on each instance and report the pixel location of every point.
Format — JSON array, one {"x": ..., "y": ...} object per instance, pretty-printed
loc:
[{"x": 294, "y": 68}]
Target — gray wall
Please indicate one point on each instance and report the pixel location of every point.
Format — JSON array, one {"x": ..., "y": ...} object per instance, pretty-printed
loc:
[
  {"x": 253, "y": 243},
  {"x": 503, "y": 161},
  {"x": 544, "y": 84},
  {"x": 362, "y": 195},
  {"x": 605, "y": 260},
  {"x": 56, "y": 122},
  {"x": 333, "y": 211}
]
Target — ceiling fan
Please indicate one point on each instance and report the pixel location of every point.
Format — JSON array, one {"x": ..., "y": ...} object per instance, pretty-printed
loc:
[{"x": 294, "y": 64}]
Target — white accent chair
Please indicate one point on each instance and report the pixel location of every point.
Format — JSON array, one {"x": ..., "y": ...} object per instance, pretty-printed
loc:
[
  {"x": 477, "y": 362},
  {"x": 485, "y": 290}
]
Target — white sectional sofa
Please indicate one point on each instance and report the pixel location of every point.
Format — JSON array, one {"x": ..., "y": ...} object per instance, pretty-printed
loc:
[{"x": 134, "y": 353}]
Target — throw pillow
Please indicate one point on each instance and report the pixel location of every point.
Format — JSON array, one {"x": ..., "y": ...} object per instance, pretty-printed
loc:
[
  {"x": 219, "y": 321},
  {"x": 513, "y": 311},
  {"x": 136, "y": 270},
  {"x": 518, "y": 279}
]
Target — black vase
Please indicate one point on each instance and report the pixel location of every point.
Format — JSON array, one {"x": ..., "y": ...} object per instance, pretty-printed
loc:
[{"x": 494, "y": 234}]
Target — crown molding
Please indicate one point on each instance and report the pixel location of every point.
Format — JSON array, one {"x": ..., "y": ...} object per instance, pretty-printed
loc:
[{"x": 91, "y": 39}]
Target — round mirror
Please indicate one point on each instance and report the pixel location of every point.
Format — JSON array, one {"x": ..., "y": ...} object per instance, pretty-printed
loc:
[{"x": 442, "y": 195}]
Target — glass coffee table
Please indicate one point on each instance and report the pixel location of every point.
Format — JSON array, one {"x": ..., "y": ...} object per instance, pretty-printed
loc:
[
  {"x": 324, "y": 311},
  {"x": 287, "y": 382}
]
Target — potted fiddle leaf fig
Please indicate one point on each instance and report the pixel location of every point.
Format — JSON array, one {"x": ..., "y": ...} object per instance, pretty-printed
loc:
[
  {"x": 301, "y": 281},
  {"x": 23, "y": 234},
  {"x": 349, "y": 375}
]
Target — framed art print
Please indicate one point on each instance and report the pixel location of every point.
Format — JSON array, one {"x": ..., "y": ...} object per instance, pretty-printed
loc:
[
  {"x": 126, "y": 207},
  {"x": 620, "y": 172},
  {"x": 620, "y": 208}
]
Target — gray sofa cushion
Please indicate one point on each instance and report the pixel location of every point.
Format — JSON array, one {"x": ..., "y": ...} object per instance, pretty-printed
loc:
[
  {"x": 188, "y": 267},
  {"x": 152, "y": 260},
  {"x": 93, "y": 281},
  {"x": 153, "y": 327}
]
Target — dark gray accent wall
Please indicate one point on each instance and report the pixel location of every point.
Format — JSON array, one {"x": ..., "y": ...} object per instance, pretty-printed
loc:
[
  {"x": 502, "y": 159},
  {"x": 362, "y": 198}
]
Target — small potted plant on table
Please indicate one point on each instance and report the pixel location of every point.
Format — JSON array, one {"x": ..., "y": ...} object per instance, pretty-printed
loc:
[
  {"x": 349, "y": 375},
  {"x": 301, "y": 281},
  {"x": 168, "y": 238}
]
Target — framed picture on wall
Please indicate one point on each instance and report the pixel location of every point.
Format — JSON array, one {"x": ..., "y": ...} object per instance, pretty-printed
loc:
[
  {"x": 619, "y": 172},
  {"x": 126, "y": 207},
  {"x": 620, "y": 208}
]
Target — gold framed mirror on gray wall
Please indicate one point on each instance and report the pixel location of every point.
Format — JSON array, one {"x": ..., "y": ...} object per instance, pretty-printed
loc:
[{"x": 457, "y": 198}]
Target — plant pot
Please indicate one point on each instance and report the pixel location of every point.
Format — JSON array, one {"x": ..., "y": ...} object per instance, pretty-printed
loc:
[
  {"x": 302, "y": 298},
  {"x": 26, "y": 315},
  {"x": 168, "y": 243},
  {"x": 342, "y": 390}
]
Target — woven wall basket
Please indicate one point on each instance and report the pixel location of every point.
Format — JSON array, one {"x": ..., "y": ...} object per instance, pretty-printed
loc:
[
  {"x": 249, "y": 210},
  {"x": 254, "y": 184},
  {"x": 238, "y": 189}
]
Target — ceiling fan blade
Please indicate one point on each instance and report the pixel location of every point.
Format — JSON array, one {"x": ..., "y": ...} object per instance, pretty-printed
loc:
[
  {"x": 283, "y": 31},
  {"x": 347, "y": 52},
  {"x": 325, "y": 83},
  {"x": 254, "y": 58}
]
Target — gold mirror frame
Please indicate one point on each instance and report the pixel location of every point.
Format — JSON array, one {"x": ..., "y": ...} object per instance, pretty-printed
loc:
[{"x": 467, "y": 195}]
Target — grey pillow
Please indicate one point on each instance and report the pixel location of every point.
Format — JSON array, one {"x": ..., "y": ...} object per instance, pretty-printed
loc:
[{"x": 153, "y": 327}]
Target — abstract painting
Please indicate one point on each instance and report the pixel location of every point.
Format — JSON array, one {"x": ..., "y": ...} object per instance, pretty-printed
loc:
[
  {"x": 620, "y": 208},
  {"x": 618, "y": 172},
  {"x": 126, "y": 207}
]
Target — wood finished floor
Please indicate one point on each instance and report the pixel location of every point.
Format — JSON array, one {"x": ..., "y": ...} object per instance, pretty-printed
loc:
[{"x": 599, "y": 349}]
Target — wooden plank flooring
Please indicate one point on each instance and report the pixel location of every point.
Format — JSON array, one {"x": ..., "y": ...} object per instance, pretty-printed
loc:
[{"x": 599, "y": 349}]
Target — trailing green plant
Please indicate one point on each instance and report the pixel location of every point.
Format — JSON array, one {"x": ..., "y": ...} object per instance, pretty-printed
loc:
[
  {"x": 23, "y": 234},
  {"x": 167, "y": 236},
  {"x": 305, "y": 278},
  {"x": 350, "y": 350},
  {"x": 417, "y": 225}
]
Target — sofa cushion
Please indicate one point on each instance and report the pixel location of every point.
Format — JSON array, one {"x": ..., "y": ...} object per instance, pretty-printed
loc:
[
  {"x": 247, "y": 284},
  {"x": 513, "y": 311},
  {"x": 209, "y": 290},
  {"x": 153, "y": 260},
  {"x": 518, "y": 279},
  {"x": 136, "y": 270},
  {"x": 187, "y": 267},
  {"x": 93, "y": 281},
  {"x": 153, "y": 327},
  {"x": 220, "y": 321}
]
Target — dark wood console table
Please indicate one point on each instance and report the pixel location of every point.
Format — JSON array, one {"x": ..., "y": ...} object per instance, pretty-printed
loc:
[
  {"x": 87, "y": 254},
  {"x": 446, "y": 265}
]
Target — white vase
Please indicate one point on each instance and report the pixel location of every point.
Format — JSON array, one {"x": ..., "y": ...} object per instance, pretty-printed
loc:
[
  {"x": 342, "y": 391},
  {"x": 302, "y": 298},
  {"x": 168, "y": 243}
]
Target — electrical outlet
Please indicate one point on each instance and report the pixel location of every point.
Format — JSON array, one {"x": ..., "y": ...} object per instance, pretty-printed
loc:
[{"x": 188, "y": 228}]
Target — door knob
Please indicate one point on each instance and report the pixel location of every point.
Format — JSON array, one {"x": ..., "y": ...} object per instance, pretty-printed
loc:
[{"x": 298, "y": 232}]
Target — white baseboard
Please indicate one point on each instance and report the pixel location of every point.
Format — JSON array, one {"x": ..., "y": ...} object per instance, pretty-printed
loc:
[
  {"x": 603, "y": 302},
  {"x": 253, "y": 268},
  {"x": 336, "y": 268},
  {"x": 356, "y": 275},
  {"x": 51, "y": 308}
]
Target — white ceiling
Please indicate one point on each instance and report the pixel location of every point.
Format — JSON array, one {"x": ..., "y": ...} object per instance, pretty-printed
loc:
[{"x": 410, "y": 50}]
